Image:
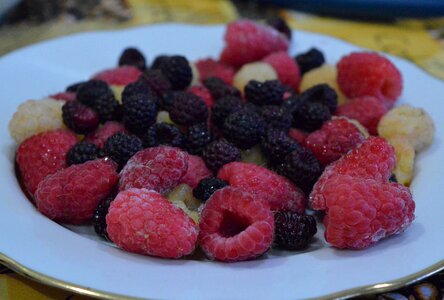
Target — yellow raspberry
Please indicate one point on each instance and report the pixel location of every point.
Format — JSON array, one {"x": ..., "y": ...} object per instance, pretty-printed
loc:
[
  {"x": 195, "y": 72},
  {"x": 255, "y": 71},
  {"x": 324, "y": 74},
  {"x": 405, "y": 158},
  {"x": 117, "y": 90},
  {"x": 35, "y": 116},
  {"x": 412, "y": 123},
  {"x": 182, "y": 197},
  {"x": 254, "y": 155}
]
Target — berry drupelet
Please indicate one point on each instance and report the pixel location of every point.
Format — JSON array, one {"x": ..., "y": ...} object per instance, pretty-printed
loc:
[
  {"x": 176, "y": 69},
  {"x": 265, "y": 93},
  {"x": 163, "y": 134},
  {"x": 321, "y": 93},
  {"x": 219, "y": 153},
  {"x": 277, "y": 145},
  {"x": 197, "y": 138},
  {"x": 207, "y": 186},
  {"x": 188, "y": 109},
  {"x": 107, "y": 108},
  {"x": 244, "y": 128},
  {"x": 121, "y": 147},
  {"x": 309, "y": 60},
  {"x": 79, "y": 118},
  {"x": 132, "y": 57},
  {"x": 293, "y": 231},
  {"x": 139, "y": 112},
  {"x": 219, "y": 88},
  {"x": 310, "y": 116},
  {"x": 82, "y": 152},
  {"x": 276, "y": 117},
  {"x": 223, "y": 108}
]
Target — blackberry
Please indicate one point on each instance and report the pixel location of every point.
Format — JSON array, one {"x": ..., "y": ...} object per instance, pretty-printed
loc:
[
  {"x": 244, "y": 129},
  {"x": 163, "y": 134},
  {"x": 121, "y": 147},
  {"x": 74, "y": 87},
  {"x": 265, "y": 93},
  {"x": 219, "y": 88},
  {"x": 310, "y": 116},
  {"x": 139, "y": 112},
  {"x": 79, "y": 118},
  {"x": 293, "y": 231},
  {"x": 156, "y": 81},
  {"x": 99, "y": 217},
  {"x": 292, "y": 104},
  {"x": 177, "y": 70},
  {"x": 138, "y": 87},
  {"x": 309, "y": 60},
  {"x": 197, "y": 138},
  {"x": 157, "y": 61},
  {"x": 280, "y": 25},
  {"x": 277, "y": 145},
  {"x": 188, "y": 109},
  {"x": 276, "y": 117},
  {"x": 321, "y": 93},
  {"x": 301, "y": 167},
  {"x": 393, "y": 178},
  {"x": 132, "y": 57},
  {"x": 207, "y": 186},
  {"x": 107, "y": 108},
  {"x": 167, "y": 99},
  {"x": 219, "y": 153},
  {"x": 82, "y": 152},
  {"x": 223, "y": 108},
  {"x": 89, "y": 91}
]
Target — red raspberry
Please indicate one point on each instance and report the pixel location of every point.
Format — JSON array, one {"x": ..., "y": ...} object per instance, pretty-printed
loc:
[
  {"x": 203, "y": 93},
  {"x": 43, "y": 154},
  {"x": 361, "y": 211},
  {"x": 286, "y": 68},
  {"x": 335, "y": 138},
  {"x": 367, "y": 110},
  {"x": 158, "y": 168},
  {"x": 106, "y": 131},
  {"x": 297, "y": 135},
  {"x": 65, "y": 96},
  {"x": 71, "y": 195},
  {"x": 144, "y": 222},
  {"x": 197, "y": 170},
  {"x": 248, "y": 41},
  {"x": 280, "y": 193},
  {"x": 235, "y": 225},
  {"x": 374, "y": 159},
  {"x": 211, "y": 68},
  {"x": 119, "y": 76},
  {"x": 369, "y": 74}
]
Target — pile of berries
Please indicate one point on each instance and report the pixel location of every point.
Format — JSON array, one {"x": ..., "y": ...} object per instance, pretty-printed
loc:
[{"x": 227, "y": 154}]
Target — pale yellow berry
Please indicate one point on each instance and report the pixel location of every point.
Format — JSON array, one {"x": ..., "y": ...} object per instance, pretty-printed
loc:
[
  {"x": 163, "y": 117},
  {"x": 405, "y": 158},
  {"x": 254, "y": 155},
  {"x": 35, "y": 116},
  {"x": 117, "y": 90},
  {"x": 410, "y": 122},
  {"x": 182, "y": 196},
  {"x": 255, "y": 71},
  {"x": 196, "y": 76},
  {"x": 324, "y": 74}
]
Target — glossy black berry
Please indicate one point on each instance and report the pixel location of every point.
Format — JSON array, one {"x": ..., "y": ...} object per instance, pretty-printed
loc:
[
  {"x": 264, "y": 93},
  {"x": 197, "y": 138},
  {"x": 107, "y": 108},
  {"x": 139, "y": 112},
  {"x": 74, "y": 87},
  {"x": 219, "y": 88},
  {"x": 280, "y": 25},
  {"x": 207, "y": 186},
  {"x": 244, "y": 129},
  {"x": 188, "y": 109},
  {"x": 219, "y": 153},
  {"x": 89, "y": 91},
  {"x": 99, "y": 217},
  {"x": 156, "y": 81},
  {"x": 310, "y": 116},
  {"x": 223, "y": 108},
  {"x": 309, "y": 60},
  {"x": 321, "y": 93},
  {"x": 132, "y": 57},
  {"x": 82, "y": 152},
  {"x": 79, "y": 118},
  {"x": 293, "y": 231},
  {"x": 163, "y": 134},
  {"x": 277, "y": 145},
  {"x": 276, "y": 117},
  {"x": 121, "y": 147},
  {"x": 177, "y": 70}
]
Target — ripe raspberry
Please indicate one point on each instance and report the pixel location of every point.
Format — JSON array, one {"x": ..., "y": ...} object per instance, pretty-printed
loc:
[
  {"x": 33, "y": 117},
  {"x": 369, "y": 74},
  {"x": 286, "y": 68},
  {"x": 197, "y": 170},
  {"x": 311, "y": 115},
  {"x": 88, "y": 92},
  {"x": 132, "y": 57},
  {"x": 280, "y": 25},
  {"x": 374, "y": 159},
  {"x": 277, "y": 145},
  {"x": 264, "y": 93},
  {"x": 99, "y": 216},
  {"x": 136, "y": 214},
  {"x": 297, "y": 135},
  {"x": 104, "y": 132},
  {"x": 79, "y": 118},
  {"x": 156, "y": 81},
  {"x": 219, "y": 153},
  {"x": 122, "y": 75},
  {"x": 177, "y": 70},
  {"x": 43, "y": 154},
  {"x": 71, "y": 195},
  {"x": 121, "y": 147},
  {"x": 235, "y": 225},
  {"x": 211, "y": 68},
  {"x": 188, "y": 109},
  {"x": 247, "y": 41},
  {"x": 367, "y": 110},
  {"x": 159, "y": 168},
  {"x": 223, "y": 108},
  {"x": 203, "y": 93},
  {"x": 65, "y": 96},
  {"x": 163, "y": 134},
  {"x": 361, "y": 211},
  {"x": 280, "y": 193},
  {"x": 82, "y": 152},
  {"x": 292, "y": 230},
  {"x": 335, "y": 138},
  {"x": 244, "y": 129},
  {"x": 309, "y": 60},
  {"x": 207, "y": 186},
  {"x": 197, "y": 138},
  {"x": 321, "y": 93},
  {"x": 139, "y": 112},
  {"x": 218, "y": 88},
  {"x": 276, "y": 117},
  {"x": 259, "y": 71}
]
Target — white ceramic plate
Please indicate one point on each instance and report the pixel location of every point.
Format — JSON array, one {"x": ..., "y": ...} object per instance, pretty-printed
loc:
[{"x": 35, "y": 245}]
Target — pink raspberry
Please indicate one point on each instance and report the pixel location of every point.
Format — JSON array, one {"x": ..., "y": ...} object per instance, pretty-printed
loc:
[
  {"x": 373, "y": 159},
  {"x": 280, "y": 192},
  {"x": 159, "y": 168},
  {"x": 65, "y": 96},
  {"x": 71, "y": 195},
  {"x": 43, "y": 154},
  {"x": 367, "y": 110},
  {"x": 335, "y": 138},
  {"x": 286, "y": 68},
  {"x": 235, "y": 225},
  {"x": 369, "y": 74},
  {"x": 247, "y": 41},
  {"x": 144, "y": 222},
  {"x": 211, "y": 68},
  {"x": 361, "y": 211},
  {"x": 197, "y": 170},
  {"x": 203, "y": 93},
  {"x": 297, "y": 135},
  {"x": 104, "y": 132},
  {"x": 122, "y": 75}
]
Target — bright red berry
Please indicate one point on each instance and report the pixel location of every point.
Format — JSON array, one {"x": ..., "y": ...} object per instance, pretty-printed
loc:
[
  {"x": 65, "y": 96},
  {"x": 286, "y": 68},
  {"x": 143, "y": 221},
  {"x": 119, "y": 76},
  {"x": 104, "y": 132},
  {"x": 43, "y": 154},
  {"x": 203, "y": 93},
  {"x": 211, "y": 68},
  {"x": 71, "y": 195},
  {"x": 235, "y": 225},
  {"x": 197, "y": 170}
]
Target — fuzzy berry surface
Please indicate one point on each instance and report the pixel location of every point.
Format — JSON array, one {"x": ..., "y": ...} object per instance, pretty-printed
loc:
[
  {"x": 104, "y": 132},
  {"x": 286, "y": 69},
  {"x": 121, "y": 147},
  {"x": 211, "y": 68},
  {"x": 244, "y": 129},
  {"x": 293, "y": 231},
  {"x": 122, "y": 75},
  {"x": 79, "y": 118},
  {"x": 107, "y": 108},
  {"x": 188, "y": 109},
  {"x": 268, "y": 92},
  {"x": 132, "y": 57},
  {"x": 310, "y": 60},
  {"x": 235, "y": 225},
  {"x": 163, "y": 134},
  {"x": 207, "y": 186},
  {"x": 82, "y": 152},
  {"x": 177, "y": 70},
  {"x": 197, "y": 170},
  {"x": 220, "y": 152}
]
